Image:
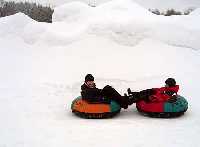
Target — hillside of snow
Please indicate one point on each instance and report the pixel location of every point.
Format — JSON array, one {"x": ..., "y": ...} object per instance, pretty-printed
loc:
[{"x": 122, "y": 44}]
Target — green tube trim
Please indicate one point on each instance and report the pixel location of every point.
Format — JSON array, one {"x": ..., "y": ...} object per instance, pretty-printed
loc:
[
  {"x": 78, "y": 98},
  {"x": 114, "y": 106},
  {"x": 179, "y": 106}
]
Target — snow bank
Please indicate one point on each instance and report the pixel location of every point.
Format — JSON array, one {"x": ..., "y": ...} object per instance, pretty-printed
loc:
[
  {"x": 116, "y": 10},
  {"x": 71, "y": 12},
  {"x": 128, "y": 23},
  {"x": 14, "y": 24},
  {"x": 178, "y": 31},
  {"x": 125, "y": 8},
  {"x": 110, "y": 20},
  {"x": 32, "y": 32},
  {"x": 123, "y": 21},
  {"x": 20, "y": 25},
  {"x": 196, "y": 12}
]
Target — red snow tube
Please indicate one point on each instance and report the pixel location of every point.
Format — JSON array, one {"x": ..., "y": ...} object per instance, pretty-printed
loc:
[{"x": 163, "y": 109}]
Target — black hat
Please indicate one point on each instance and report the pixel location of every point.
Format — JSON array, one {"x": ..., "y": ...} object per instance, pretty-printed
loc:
[
  {"x": 89, "y": 77},
  {"x": 170, "y": 82}
]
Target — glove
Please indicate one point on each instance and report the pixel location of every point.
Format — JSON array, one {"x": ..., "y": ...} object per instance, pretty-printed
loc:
[
  {"x": 170, "y": 93},
  {"x": 172, "y": 99}
]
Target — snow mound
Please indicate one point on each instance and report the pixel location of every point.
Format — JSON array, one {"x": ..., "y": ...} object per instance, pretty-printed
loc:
[
  {"x": 13, "y": 24},
  {"x": 71, "y": 12},
  {"x": 196, "y": 12},
  {"x": 123, "y": 21},
  {"x": 110, "y": 20},
  {"x": 124, "y": 7},
  {"x": 110, "y": 11},
  {"x": 127, "y": 23},
  {"x": 20, "y": 25}
]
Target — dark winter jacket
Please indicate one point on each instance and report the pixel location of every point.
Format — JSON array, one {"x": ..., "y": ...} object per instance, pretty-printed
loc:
[{"x": 92, "y": 95}]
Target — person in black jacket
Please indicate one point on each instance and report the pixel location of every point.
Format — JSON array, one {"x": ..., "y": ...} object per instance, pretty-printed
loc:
[{"x": 90, "y": 93}]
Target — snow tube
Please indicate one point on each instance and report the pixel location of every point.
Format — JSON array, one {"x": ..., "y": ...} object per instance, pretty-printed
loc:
[
  {"x": 84, "y": 109},
  {"x": 163, "y": 109}
]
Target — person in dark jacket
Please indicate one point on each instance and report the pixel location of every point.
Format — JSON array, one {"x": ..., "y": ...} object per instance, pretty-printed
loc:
[
  {"x": 92, "y": 94},
  {"x": 167, "y": 93}
]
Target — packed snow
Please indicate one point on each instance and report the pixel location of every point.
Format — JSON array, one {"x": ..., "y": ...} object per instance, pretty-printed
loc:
[{"x": 122, "y": 44}]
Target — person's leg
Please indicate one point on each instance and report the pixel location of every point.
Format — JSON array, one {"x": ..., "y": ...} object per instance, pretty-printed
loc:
[
  {"x": 145, "y": 94},
  {"x": 138, "y": 96},
  {"x": 111, "y": 93},
  {"x": 134, "y": 97}
]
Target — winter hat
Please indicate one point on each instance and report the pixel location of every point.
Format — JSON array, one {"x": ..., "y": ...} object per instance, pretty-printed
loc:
[
  {"x": 89, "y": 77},
  {"x": 170, "y": 82}
]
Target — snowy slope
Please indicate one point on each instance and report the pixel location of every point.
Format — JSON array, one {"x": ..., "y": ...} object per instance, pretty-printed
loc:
[{"x": 43, "y": 66}]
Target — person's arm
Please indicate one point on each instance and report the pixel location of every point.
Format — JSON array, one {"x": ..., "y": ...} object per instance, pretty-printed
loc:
[
  {"x": 174, "y": 89},
  {"x": 91, "y": 94}
]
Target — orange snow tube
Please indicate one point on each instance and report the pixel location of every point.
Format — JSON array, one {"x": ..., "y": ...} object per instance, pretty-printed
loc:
[{"x": 84, "y": 109}]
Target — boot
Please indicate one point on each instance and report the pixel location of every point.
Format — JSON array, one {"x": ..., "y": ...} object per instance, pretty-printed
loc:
[
  {"x": 133, "y": 98},
  {"x": 129, "y": 91},
  {"x": 125, "y": 106},
  {"x": 124, "y": 101}
]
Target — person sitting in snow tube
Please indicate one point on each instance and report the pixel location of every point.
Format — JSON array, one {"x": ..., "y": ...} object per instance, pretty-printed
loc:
[
  {"x": 99, "y": 103},
  {"x": 161, "y": 102}
]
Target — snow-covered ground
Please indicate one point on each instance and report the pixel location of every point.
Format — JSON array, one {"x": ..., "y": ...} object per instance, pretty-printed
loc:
[{"x": 42, "y": 67}]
